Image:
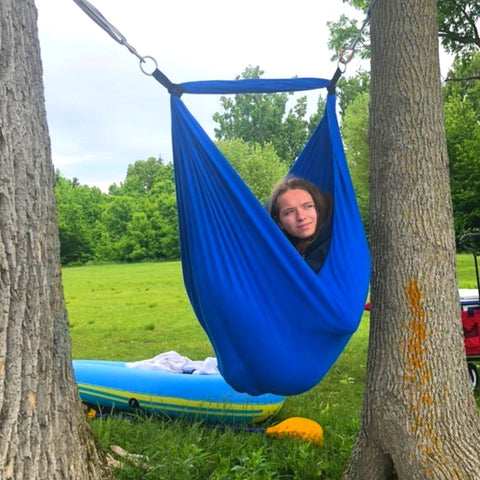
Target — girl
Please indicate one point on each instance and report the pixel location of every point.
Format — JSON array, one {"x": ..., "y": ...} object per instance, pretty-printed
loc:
[{"x": 304, "y": 214}]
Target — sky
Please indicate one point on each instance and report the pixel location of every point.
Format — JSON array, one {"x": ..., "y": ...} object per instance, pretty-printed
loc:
[{"x": 104, "y": 113}]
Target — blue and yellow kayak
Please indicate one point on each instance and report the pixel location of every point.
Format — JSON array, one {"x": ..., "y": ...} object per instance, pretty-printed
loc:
[{"x": 113, "y": 385}]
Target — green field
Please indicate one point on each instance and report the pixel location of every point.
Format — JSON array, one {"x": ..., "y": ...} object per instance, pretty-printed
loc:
[
  {"x": 136, "y": 311},
  {"x": 131, "y": 312}
]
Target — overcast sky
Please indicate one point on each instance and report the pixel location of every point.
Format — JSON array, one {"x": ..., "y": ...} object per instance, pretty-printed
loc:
[{"x": 104, "y": 113}]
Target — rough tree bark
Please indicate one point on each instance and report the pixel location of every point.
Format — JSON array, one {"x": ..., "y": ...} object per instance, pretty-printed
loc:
[
  {"x": 43, "y": 431},
  {"x": 419, "y": 418}
]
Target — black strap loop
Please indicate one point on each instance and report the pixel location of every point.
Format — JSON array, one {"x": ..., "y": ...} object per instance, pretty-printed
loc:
[
  {"x": 333, "y": 81},
  {"x": 173, "y": 88}
]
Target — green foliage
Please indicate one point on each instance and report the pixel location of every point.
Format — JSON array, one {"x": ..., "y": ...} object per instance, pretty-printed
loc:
[
  {"x": 462, "y": 119},
  {"x": 259, "y": 167},
  {"x": 79, "y": 210},
  {"x": 263, "y": 119},
  {"x": 142, "y": 177},
  {"x": 355, "y": 133},
  {"x": 349, "y": 88},
  {"x": 135, "y": 221},
  {"x": 458, "y": 25},
  {"x": 342, "y": 35}
]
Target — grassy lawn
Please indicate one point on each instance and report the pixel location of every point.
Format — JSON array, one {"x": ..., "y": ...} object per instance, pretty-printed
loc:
[{"x": 136, "y": 311}]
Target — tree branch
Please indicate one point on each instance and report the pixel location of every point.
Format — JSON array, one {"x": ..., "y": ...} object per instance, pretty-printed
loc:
[{"x": 463, "y": 79}]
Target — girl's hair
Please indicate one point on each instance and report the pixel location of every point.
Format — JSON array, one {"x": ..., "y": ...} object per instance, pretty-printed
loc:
[{"x": 323, "y": 201}]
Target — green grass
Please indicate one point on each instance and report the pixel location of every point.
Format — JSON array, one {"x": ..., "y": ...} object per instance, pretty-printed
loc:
[
  {"x": 466, "y": 271},
  {"x": 132, "y": 312}
]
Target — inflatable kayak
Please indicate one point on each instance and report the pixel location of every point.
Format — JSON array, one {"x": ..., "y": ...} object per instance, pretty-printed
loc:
[{"x": 113, "y": 385}]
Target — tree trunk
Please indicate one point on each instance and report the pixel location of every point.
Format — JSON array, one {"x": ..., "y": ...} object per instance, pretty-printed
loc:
[
  {"x": 43, "y": 431},
  {"x": 419, "y": 417}
]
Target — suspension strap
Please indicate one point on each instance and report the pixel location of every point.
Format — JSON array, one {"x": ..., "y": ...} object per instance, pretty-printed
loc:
[
  {"x": 347, "y": 53},
  {"x": 175, "y": 89},
  {"x": 334, "y": 80},
  {"x": 101, "y": 21}
]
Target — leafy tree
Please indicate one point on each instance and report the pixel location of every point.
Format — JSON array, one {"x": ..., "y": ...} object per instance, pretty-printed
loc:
[
  {"x": 462, "y": 109},
  {"x": 79, "y": 211},
  {"x": 262, "y": 119},
  {"x": 419, "y": 417},
  {"x": 355, "y": 133},
  {"x": 140, "y": 177},
  {"x": 259, "y": 167},
  {"x": 164, "y": 216},
  {"x": 117, "y": 215},
  {"x": 349, "y": 88},
  {"x": 458, "y": 27},
  {"x": 136, "y": 221},
  {"x": 463, "y": 79},
  {"x": 140, "y": 216},
  {"x": 128, "y": 235},
  {"x": 141, "y": 240},
  {"x": 344, "y": 32}
]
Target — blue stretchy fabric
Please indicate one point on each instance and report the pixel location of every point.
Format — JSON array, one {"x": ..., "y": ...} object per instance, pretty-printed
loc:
[{"x": 275, "y": 325}]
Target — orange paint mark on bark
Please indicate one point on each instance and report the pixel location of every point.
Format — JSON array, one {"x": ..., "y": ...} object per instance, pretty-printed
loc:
[
  {"x": 416, "y": 371},
  {"x": 426, "y": 398},
  {"x": 2, "y": 366},
  {"x": 417, "y": 374}
]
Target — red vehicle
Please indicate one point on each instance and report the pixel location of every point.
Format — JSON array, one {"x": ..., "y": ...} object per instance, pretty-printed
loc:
[{"x": 469, "y": 300}]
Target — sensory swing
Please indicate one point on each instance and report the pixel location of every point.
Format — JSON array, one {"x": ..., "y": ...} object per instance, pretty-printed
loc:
[{"x": 275, "y": 325}]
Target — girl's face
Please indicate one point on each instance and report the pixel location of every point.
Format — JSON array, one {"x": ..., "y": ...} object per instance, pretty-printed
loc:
[{"x": 297, "y": 213}]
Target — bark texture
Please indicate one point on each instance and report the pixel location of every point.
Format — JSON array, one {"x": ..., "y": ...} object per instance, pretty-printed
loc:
[
  {"x": 419, "y": 417},
  {"x": 43, "y": 430}
]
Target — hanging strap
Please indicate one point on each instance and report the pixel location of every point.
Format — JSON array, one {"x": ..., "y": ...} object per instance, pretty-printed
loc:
[
  {"x": 175, "y": 89},
  {"x": 347, "y": 53},
  {"x": 103, "y": 23}
]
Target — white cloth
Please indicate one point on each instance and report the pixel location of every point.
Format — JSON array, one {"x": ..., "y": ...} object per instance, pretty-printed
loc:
[{"x": 176, "y": 363}]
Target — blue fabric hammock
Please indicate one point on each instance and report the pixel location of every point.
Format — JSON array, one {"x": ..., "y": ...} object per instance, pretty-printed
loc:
[{"x": 275, "y": 325}]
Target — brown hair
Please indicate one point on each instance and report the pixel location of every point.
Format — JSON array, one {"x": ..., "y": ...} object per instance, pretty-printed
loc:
[{"x": 323, "y": 204}]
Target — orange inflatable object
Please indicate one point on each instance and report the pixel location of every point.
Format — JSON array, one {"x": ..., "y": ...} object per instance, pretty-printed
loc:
[{"x": 299, "y": 427}]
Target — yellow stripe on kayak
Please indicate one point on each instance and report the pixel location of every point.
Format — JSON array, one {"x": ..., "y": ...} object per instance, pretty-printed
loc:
[{"x": 258, "y": 412}]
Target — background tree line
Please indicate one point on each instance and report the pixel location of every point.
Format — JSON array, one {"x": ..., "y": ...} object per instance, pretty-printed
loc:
[
  {"x": 261, "y": 136},
  {"x": 458, "y": 31}
]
